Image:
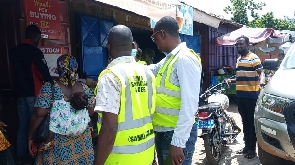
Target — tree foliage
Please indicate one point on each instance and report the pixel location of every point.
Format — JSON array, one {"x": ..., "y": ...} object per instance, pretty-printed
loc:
[
  {"x": 239, "y": 8},
  {"x": 268, "y": 21}
]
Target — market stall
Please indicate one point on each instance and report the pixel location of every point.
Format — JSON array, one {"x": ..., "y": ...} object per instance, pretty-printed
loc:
[{"x": 263, "y": 41}]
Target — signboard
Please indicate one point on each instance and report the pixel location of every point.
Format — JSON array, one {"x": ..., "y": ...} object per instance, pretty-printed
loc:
[
  {"x": 45, "y": 14},
  {"x": 184, "y": 18},
  {"x": 51, "y": 49},
  {"x": 51, "y": 54}
]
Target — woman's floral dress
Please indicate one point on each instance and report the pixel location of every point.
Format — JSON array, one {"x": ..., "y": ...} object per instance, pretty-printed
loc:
[{"x": 70, "y": 146}]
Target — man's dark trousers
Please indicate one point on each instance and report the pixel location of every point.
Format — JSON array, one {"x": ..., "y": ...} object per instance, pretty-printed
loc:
[{"x": 246, "y": 107}]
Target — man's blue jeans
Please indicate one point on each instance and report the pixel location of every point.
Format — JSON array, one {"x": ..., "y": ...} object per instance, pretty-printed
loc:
[
  {"x": 163, "y": 141},
  {"x": 25, "y": 106}
]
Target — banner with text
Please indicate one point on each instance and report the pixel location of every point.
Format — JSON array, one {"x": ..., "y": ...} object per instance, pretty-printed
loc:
[{"x": 45, "y": 14}]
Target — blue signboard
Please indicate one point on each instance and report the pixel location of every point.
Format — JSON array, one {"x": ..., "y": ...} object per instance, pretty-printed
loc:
[{"x": 184, "y": 18}]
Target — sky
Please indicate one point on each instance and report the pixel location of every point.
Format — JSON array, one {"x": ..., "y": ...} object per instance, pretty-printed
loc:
[{"x": 281, "y": 9}]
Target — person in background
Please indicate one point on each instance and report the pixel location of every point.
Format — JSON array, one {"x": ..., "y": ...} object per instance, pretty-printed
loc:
[
  {"x": 178, "y": 78},
  {"x": 30, "y": 72},
  {"x": 73, "y": 105},
  {"x": 147, "y": 57},
  {"x": 125, "y": 103},
  {"x": 138, "y": 55},
  {"x": 249, "y": 77},
  {"x": 134, "y": 51}
]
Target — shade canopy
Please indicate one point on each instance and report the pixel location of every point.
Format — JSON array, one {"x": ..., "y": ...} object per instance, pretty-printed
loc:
[{"x": 255, "y": 35}]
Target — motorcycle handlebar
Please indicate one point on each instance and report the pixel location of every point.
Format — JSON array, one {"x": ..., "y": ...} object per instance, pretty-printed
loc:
[{"x": 215, "y": 86}]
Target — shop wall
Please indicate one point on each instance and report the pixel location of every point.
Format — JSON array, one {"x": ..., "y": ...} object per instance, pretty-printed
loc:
[
  {"x": 10, "y": 34},
  {"x": 93, "y": 45},
  {"x": 220, "y": 56},
  {"x": 10, "y": 37},
  {"x": 203, "y": 31},
  {"x": 99, "y": 13},
  {"x": 214, "y": 56}
]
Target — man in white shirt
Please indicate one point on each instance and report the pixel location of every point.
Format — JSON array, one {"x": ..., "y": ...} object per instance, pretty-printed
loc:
[{"x": 178, "y": 78}]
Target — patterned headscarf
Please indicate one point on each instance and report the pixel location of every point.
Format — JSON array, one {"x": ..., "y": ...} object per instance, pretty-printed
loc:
[{"x": 67, "y": 67}]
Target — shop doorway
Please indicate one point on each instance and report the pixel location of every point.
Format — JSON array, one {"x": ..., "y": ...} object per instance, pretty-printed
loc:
[{"x": 143, "y": 38}]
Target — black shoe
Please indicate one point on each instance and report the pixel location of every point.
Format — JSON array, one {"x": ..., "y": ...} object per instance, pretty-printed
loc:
[
  {"x": 243, "y": 151},
  {"x": 250, "y": 154}
]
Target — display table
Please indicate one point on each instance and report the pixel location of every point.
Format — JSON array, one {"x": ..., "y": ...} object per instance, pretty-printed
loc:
[{"x": 231, "y": 90}]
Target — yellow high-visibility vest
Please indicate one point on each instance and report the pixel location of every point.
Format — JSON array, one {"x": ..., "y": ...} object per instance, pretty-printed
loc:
[
  {"x": 135, "y": 139},
  {"x": 168, "y": 95},
  {"x": 142, "y": 62}
]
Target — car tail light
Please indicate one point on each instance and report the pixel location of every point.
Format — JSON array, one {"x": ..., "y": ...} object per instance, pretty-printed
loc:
[{"x": 204, "y": 115}]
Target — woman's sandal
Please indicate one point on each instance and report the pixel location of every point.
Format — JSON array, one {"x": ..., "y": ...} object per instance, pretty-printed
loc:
[
  {"x": 242, "y": 151},
  {"x": 250, "y": 154}
]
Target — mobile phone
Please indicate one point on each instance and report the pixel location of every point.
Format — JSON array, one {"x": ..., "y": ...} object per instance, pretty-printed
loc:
[{"x": 34, "y": 148}]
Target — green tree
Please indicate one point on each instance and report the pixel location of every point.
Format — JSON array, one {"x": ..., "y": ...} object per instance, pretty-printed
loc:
[
  {"x": 268, "y": 21},
  {"x": 239, "y": 10}
]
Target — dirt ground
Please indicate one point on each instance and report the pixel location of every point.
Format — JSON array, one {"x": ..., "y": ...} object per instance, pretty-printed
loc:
[{"x": 229, "y": 156}]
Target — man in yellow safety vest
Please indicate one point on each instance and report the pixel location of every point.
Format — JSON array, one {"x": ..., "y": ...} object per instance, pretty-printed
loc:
[
  {"x": 178, "y": 78},
  {"x": 125, "y": 102}
]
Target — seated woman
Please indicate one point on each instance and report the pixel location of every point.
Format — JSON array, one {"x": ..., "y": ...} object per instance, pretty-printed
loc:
[{"x": 70, "y": 141}]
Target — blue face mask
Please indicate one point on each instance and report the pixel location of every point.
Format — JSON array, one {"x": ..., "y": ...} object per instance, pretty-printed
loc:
[{"x": 133, "y": 52}]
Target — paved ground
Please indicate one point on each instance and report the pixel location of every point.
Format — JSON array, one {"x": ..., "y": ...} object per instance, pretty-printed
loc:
[{"x": 229, "y": 156}]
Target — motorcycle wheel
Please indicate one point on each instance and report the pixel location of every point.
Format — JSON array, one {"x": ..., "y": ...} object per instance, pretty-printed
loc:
[{"x": 212, "y": 145}]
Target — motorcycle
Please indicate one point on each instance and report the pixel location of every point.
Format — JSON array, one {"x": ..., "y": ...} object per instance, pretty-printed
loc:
[{"x": 218, "y": 127}]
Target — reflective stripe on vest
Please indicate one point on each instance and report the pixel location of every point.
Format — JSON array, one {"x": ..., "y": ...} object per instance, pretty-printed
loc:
[
  {"x": 135, "y": 136},
  {"x": 168, "y": 95},
  {"x": 142, "y": 62}
]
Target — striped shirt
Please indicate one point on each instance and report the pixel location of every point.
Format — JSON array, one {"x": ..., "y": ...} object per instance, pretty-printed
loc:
[{"x": 248, "y": 81}]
